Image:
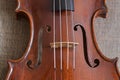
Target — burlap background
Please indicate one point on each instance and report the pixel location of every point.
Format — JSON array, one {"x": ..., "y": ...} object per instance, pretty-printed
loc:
[{"x": 14, "y": 34}]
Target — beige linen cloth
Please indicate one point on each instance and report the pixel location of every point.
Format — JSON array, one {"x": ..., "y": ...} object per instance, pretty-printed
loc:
[{"x": 14, "y": 34}]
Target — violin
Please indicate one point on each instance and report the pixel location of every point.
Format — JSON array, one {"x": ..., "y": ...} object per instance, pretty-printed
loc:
[{"x": 62, "y": 43}]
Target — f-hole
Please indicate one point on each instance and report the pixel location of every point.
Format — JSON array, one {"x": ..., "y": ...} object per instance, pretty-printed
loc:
[
  {"x": 40, "y": 41},
  {"x": 96, "y": 61}
]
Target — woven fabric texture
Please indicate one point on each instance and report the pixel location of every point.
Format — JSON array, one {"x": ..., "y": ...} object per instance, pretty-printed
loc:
[{"x": 14, "y": 34}]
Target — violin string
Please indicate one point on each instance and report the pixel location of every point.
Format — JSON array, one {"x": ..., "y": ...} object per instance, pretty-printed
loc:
[
  {"x": 55, "y": 78},
  {"x": 60, "y": 13},
  {"x": 54, "y": 34},
  {"x": 54, "y": 38},
  {"x": 73, "y": 34},
  {"x": 66, "y": 6}
]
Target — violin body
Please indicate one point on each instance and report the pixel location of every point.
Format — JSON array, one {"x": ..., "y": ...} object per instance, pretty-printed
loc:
[{"x": 62, "y": 44}]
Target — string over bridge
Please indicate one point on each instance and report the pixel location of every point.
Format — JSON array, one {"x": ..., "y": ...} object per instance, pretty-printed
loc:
[{"x": 64, "y": 44}]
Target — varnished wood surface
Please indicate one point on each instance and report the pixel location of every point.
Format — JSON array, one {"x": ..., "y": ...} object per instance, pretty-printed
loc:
[{"x": 40, "y": 16}]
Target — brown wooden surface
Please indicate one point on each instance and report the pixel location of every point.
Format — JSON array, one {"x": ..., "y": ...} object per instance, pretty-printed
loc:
[{"x": 39, "y": 17}]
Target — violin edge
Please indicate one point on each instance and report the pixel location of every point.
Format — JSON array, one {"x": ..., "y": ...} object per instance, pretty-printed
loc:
[
  {"x": 102, "y": 13},
  {"x": 11, "y": 62}
]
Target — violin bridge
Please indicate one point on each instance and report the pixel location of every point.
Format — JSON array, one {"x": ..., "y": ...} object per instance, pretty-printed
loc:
[{"x": 64, "y": 44}]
